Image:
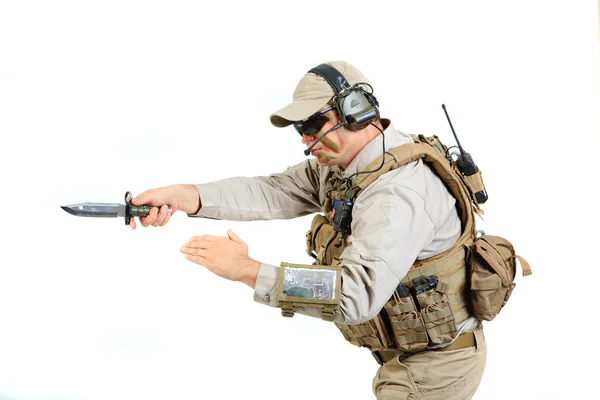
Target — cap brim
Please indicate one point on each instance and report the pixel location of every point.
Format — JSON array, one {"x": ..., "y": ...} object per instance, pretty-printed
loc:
[{"x": 297, "y": 111}]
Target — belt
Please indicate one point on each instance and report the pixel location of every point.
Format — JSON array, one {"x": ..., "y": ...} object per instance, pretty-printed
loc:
[{"x": 463, "y": 341}]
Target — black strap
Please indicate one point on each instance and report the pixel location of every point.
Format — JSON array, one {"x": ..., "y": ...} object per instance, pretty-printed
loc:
[{"x": 335, "y": 79}]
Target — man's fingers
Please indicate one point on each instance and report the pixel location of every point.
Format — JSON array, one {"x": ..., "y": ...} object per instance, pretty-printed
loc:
[
  {"x": 205, "y": 238},
  {"x": 194, "y": 255},
  {"x": 157, "y": 217},
  {"x": 168, "y": 216},
  {"x": 132, "y": 223},
  {"x": 199, "y": 244},
  {"x": 192, "y": 251},
  {"x": 163, "y": 211},
  {"x": 150, "y": 218},
  {"x": 174, "y": 206},
  {"x": 196, "y": 259}
]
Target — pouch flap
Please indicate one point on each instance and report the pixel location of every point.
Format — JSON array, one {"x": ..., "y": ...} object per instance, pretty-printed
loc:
[
  {"x": 490, "y": 282},
  {"x": 317, "y": 222},
  {"x": 492, "y": 255}
]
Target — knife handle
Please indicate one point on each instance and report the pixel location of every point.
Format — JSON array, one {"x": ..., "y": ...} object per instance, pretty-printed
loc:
[
  {"x": 140, "y": 211},
  {"x": 136, "y": 211}
]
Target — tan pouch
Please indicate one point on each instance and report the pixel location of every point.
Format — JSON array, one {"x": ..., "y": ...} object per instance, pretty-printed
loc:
[
  {"x": 492, "y": 270},
  {"x": 437, "y": 314},
  {"x": 407, "y": 324},
  {"x": 319, "y": 241},
  {"x": 311, "y": 236},
  {"x": 371, "y": 334}
]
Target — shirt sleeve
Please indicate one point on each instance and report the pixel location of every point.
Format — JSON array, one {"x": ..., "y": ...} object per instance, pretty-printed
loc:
[
  {"x": 289, "y": 194},
  {"x": 390, "y": 226}
]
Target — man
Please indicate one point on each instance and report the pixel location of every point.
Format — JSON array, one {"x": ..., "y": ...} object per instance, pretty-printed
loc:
[{"x": 375, "y": 227}]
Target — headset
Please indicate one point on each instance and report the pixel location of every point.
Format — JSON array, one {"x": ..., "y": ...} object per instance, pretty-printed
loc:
[{"x": 355, "y": 104}]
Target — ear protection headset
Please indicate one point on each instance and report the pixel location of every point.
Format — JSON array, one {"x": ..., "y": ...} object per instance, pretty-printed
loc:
[{"x": 355, "y": 104}]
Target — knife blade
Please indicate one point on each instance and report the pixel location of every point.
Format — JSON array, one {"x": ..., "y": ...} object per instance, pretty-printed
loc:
[{"x": 109, "y": 210}]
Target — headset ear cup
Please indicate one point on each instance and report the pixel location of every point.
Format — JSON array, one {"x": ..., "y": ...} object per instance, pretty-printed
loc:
[
  {"x": 374, "y": 103},
  {"x": 373, "y": 100},
  {"x": 358, "y": 109},
  {"x": 337, "y": 104},
  {"x": 355, "y": 106}
]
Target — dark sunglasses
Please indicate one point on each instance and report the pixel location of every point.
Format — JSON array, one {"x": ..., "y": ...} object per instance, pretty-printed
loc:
[{"x": 312, "y": 124}]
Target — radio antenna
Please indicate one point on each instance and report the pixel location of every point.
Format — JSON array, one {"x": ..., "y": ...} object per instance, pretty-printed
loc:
[
  {"x": 451, "y": 127},
  {"x": 465, "y": 162}
]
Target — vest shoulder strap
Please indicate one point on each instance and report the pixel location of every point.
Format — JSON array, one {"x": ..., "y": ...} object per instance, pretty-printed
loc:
[
  {"x": 433, "y": 152},
  {"x": 401, "y": 155}
]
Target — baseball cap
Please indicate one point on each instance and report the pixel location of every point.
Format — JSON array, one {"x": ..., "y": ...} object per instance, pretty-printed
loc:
[{"x": 312, "y": 93}]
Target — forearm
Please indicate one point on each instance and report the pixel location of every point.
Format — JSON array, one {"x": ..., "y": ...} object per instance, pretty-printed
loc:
[{"x": 248, "y": 199}]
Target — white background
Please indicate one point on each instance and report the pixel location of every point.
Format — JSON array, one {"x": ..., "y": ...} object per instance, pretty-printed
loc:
[{"x": 97, "y": 98}]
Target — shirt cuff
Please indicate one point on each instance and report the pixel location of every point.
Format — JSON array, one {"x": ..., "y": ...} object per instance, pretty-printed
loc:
[
  {"x": 210, "y": 199},
  {"x": 265, "y": 290}
]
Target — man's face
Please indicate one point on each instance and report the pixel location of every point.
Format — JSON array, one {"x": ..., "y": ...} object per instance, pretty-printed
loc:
[{"x": 332, "y": 149}]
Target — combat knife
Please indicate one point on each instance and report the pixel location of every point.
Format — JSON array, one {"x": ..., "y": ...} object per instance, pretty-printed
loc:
[{"x": 109, "y": 210}]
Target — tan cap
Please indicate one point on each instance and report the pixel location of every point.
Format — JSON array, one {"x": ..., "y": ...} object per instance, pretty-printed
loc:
[{"x": 312, "y": 93}]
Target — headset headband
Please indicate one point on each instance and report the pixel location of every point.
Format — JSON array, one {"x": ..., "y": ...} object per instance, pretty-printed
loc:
[{"x": 335, "y": 79}]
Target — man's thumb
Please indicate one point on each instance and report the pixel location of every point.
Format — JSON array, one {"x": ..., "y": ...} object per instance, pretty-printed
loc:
[
  {"x": 233, "y": 236},
  {"x": 141, "y": 199}
]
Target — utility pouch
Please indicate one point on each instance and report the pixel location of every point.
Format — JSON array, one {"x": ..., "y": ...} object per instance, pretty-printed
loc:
[
  {"x": 475, "y": 185},
  {"x": 407, "y": 324},
  {"x": 371, "y": 334},
  {"x": 437, "y": 314},
  {"x": 321, "y": 241},
  {"x": 492, "y": 270},
  {"x": 311, "y": 236}
]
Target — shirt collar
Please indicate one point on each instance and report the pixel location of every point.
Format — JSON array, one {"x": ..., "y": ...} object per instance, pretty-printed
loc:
[{"x": 373, "y": 149}]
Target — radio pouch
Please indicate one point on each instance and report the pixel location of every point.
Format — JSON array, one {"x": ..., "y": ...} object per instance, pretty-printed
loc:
[{"x": 493, "y": 268}]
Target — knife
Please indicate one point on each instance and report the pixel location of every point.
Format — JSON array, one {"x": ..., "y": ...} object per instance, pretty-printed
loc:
[{"x": 109, "y": 210}]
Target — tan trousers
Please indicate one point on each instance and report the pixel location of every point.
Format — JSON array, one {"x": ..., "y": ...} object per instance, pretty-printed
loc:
[{"x": 433, "y": 375}]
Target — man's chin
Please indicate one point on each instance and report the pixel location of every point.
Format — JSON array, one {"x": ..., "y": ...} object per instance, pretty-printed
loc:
[{"x": 324, "y": 160}]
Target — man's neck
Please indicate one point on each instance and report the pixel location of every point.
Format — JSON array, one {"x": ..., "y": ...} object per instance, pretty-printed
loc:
[{"x": 363, "y": 138}]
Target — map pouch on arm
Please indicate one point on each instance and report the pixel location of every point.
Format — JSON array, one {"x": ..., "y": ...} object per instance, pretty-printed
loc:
[
  {"x": 309, "y": 286},
  {"x": 493, "y": 268}
]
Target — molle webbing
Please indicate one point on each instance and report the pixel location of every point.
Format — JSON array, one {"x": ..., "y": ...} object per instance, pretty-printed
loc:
[{"x": 450, "y": 268}]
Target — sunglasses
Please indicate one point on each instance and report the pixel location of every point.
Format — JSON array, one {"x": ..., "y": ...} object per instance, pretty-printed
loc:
[{"x": 312, "y": 124}]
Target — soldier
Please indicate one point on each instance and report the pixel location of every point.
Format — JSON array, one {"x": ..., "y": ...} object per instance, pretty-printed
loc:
[{"x": 389, "y": 238}]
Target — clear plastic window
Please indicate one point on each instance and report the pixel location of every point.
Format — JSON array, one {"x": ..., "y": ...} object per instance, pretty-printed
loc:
[{"x": 309, "y": 283}]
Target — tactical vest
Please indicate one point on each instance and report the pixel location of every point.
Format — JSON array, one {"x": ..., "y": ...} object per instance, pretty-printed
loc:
[{"x": 410, "y": 320}]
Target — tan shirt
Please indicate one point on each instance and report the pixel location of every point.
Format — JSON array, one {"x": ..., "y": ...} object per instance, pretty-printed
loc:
[{"x": 404, "y": 215}]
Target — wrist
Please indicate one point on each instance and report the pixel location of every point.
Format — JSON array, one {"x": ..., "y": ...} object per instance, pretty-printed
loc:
[
  {"x": 189, "y": 198},
  {"x": 250, "y": 273}
]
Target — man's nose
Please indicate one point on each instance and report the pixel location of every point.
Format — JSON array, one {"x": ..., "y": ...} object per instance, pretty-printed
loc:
[{"x": 307, "y": 139}]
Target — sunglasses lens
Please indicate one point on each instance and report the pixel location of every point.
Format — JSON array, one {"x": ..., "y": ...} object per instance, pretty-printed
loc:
[{"x": 311, "y": 125}]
